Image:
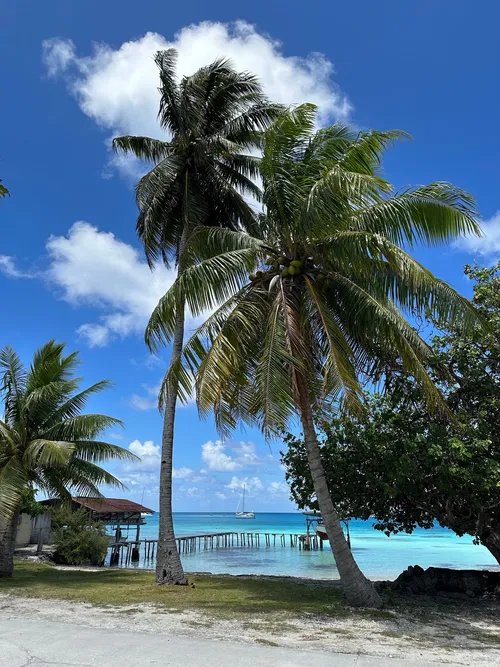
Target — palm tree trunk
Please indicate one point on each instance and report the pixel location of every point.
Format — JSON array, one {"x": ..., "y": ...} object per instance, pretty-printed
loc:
[
  {"x": 359, "y": 591},
  {"x": 8, "y": 534},
  {"x": 169, "y": 568},
  {"x": 492, "y": 543}
]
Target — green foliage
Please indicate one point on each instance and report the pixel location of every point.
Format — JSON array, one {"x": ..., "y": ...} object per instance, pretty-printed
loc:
[
  {"x": 408, "y": 467},
  {"x": 3, "y": 190},
  {"x": 327, "y": 212},
  {"x": 45, "y": 441},
  {"x": 29, "y": 505},
  {"x": 201, "y": 174},
  {"x": 78, "y": 541}
]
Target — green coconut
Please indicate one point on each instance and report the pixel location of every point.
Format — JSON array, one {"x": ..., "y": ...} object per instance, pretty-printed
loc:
[
  {"x": 292, "y": 271},
  {"x": 285, "y": 272},
  {"x": 282, "y": 260},
  {"x": 252, "y": 277},
  {"x": 297, "y": 263}
]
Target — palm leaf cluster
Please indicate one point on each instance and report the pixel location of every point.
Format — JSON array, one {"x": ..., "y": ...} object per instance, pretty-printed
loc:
[
  {"x": 45, "y": 440},
  {"x": 203, "y": 169},
  {"x": 321, "y": 289}
]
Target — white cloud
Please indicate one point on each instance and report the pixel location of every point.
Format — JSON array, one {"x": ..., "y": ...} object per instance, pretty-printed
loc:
[
  {"x": 117, "y": 88},
  {"x": 182, "y": 473},
  {"x": 278, "y": 488},
  {"x": 246, "y": 454},
  {"x": 8, "y": 267},
  {"x": 57, "y": 55},
  {"x": 144, "y": 450},
  {"x": 251, "y": 484},
  {"x": 220, "y": 495},
  {"x": 95, "y": 268},
  {"x": 214, "y": 455},
  {"x": 146, "y": 471},
  {"x": 487, "y": 245}
]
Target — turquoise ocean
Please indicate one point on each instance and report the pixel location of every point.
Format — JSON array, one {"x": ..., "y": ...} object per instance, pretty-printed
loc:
[{"x": 378, "y": 556}]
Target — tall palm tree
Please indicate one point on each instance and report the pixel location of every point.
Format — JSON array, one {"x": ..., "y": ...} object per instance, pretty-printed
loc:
[
  {"x": 45, "y": 441},
  {"x": 327, "y": 298},
  {"x": 200, "y": 175}
]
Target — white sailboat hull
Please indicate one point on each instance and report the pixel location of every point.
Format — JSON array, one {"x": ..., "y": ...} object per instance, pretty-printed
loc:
[{"x": 245, "y": 515}]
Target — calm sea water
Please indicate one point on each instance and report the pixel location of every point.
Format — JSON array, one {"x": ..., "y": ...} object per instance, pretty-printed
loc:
[{"x": 378, "y": 556}]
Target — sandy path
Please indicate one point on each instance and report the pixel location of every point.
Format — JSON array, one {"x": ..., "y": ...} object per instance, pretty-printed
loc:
[{"x": 468, "y": 640}]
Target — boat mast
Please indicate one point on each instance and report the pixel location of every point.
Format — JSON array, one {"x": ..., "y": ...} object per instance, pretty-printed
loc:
[{"x": 243, "y": 507}]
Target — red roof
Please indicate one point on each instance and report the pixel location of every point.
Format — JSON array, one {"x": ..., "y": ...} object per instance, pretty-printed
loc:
[{"x": 109, "y": 505}]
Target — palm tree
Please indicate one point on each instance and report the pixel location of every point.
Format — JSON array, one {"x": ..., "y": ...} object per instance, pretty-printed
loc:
[
  {"x": 327, "y": 298},
  {"x": 45, "y": 441},
  {"x": 200, "y": 176},
  {"x": 3, "y": 190}
]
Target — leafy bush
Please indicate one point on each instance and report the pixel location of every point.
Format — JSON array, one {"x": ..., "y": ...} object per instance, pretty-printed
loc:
[
  {"x": 29, "y": 505},
  {"x": 78, "y": 541}
]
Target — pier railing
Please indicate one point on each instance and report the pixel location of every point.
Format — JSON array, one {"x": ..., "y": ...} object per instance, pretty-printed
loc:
[{"x": 125, "y": 551}]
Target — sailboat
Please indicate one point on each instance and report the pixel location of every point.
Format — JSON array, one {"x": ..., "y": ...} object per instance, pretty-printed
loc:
[{"x": 243, "y": 514}]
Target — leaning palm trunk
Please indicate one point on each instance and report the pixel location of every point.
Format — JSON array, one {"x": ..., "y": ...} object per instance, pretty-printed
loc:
[
  {"x": 8, "y": 533},
  {"x": 359, "y": 591}
]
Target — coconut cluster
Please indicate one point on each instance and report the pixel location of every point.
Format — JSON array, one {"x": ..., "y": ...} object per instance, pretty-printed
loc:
[{"x": 288, "y": 268}]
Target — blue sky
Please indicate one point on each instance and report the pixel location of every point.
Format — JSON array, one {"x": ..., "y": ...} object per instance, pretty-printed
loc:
[{"x": 75, "y": 74}]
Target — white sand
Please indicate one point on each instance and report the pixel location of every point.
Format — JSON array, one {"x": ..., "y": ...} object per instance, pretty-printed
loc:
[{"x": 469, "y": 637}]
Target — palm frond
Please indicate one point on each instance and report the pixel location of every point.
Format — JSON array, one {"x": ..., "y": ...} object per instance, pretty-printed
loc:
[
  {"x": 13, "y": 480},
  {"x": 431, "y": 214},
  {"x": 144, "y": 148}
]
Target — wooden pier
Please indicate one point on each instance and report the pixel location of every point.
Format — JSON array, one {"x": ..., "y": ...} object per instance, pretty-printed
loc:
[{"x": 127, "y": 552}]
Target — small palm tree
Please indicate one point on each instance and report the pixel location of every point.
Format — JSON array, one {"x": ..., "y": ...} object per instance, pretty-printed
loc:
[
  {"x": 45, "y": 441},
  {"x": 325, "y": 297},
  {"x": 3, "y": 190},
  {"x": 200, "y": 175}
]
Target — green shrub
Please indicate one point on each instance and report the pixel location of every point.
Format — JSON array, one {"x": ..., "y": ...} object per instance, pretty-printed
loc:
[
  {"x": 29, "y": 505},
  {"x": 78, "y": 541}
]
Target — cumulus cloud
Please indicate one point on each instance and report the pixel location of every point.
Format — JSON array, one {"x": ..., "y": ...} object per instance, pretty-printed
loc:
[
  {"x": 246, "y": 454},
  {"x": 251, "y": 484},
  {"x": 117, "y": 87},
  {"x": 278, "y": 488},
  {"x": 182, "y": 473},
  {"x": 214, "y": 455},
  {"x": 95, "y": 268},
  {"x": 146, "y": 471},
  {"x": 144, "y": 450},
  {"x": 487, "y": 245}
]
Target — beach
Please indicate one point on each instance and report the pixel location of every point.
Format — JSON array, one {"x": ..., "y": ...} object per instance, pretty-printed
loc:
[{"x": 379, "y": 556}]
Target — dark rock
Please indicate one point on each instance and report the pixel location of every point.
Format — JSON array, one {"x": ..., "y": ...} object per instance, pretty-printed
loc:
[{"x": 440, "y": 580}]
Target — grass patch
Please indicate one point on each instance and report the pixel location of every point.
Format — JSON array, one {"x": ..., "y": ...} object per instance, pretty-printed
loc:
[{"x": 219, "y": 596}]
